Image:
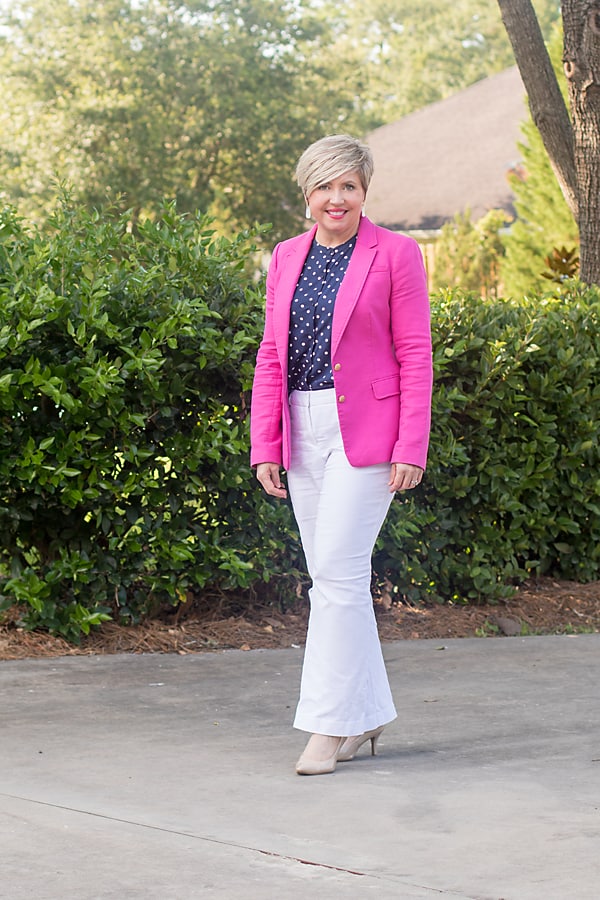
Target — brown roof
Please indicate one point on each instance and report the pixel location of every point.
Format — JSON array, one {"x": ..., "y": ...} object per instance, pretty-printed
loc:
[{"x": 452, "y": 155}]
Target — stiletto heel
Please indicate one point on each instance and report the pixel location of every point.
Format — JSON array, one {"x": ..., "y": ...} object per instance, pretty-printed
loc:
[
  {"x": 351, "y": 745},
  {"x": 374, "y": 739},
  {"x": 308, "y": 766}
]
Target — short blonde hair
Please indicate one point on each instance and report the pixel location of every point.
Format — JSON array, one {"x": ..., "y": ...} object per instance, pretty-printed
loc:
[{"x": 330, "y": 157}]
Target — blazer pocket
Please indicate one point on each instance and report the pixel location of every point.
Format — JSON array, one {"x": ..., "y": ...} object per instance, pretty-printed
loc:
[{"x": 386, "y": 387}]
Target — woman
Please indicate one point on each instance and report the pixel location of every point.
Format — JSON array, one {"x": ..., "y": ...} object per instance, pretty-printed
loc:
[{"x": 341, "y": 401}]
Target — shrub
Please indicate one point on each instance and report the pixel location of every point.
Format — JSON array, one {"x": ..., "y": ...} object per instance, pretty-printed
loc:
[
  {"x": 125, "y": 365},
  {"x": 124, "y": 362},
  {"x": 513, "y": 483}
]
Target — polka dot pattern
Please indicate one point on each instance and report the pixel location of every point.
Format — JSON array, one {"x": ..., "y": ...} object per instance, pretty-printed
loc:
[{"x": 309, "y": 350}]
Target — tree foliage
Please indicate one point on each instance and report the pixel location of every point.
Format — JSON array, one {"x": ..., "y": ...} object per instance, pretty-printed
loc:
[
  {"x": 469, "y": 254},
  {"x": 544, "y": 220},
  {"x": 210, "y": 104},
  {"x": 573, "y": 143},
  {"x": 207, "y": 104},
  {"x": 407, "y": 55}
]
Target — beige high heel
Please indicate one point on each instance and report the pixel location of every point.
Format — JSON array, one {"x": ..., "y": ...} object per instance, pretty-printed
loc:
[
  {"x": 307, "y": 766},
  {"x": 351, "y": 745}
]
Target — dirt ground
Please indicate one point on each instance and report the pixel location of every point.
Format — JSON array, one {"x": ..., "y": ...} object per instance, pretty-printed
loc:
[{"x": 541, "y": 607}]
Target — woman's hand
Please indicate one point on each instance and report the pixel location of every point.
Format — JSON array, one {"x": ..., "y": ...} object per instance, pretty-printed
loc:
[
  {"x": 404, "y": 477},
  {"x": 269, "y": 477}
]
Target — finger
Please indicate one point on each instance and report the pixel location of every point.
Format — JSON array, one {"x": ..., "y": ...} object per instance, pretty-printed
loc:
[
  {"x": 404, "y": 478},
  {"x": 400, "y": 477},
  {"x": 276, "y": 490},
  {"x": 396, "y": 483},
  {"x": 271, "y": 481}
]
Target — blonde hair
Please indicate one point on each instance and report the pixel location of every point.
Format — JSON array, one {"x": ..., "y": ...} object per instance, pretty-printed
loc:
[{"x": 330, "y": 157}]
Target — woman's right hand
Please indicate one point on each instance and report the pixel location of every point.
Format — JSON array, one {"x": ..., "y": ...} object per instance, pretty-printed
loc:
[{"x": 269, "y": 477}]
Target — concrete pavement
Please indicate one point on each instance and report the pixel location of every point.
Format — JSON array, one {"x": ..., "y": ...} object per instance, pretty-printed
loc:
[{"x": 171, "y": 778}]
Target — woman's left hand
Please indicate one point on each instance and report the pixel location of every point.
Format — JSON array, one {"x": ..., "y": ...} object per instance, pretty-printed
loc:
[{"x": 404, "y": 477}]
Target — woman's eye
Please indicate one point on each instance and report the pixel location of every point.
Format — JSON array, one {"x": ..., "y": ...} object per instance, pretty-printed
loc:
[{"x": 350, "y": 187}]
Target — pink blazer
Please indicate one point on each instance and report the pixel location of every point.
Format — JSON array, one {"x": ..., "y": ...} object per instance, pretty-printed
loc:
[{"x": 380, "y": 352}]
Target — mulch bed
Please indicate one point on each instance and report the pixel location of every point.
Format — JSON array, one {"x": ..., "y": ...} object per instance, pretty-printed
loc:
[{"x": 541, "y": 607}]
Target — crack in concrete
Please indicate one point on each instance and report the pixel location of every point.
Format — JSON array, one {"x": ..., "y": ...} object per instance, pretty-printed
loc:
[
  {"x": 223, "y": 843},
  {"x": 174, "y": 831}
]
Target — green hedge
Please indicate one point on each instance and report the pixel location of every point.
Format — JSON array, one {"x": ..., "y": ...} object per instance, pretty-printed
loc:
[
  {"x": 125, "y": 367},
  {"x": 513, "y": 482},
  {"x": 124, "y": 362}
]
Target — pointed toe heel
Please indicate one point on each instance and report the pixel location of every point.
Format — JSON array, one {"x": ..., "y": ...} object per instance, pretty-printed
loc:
[{"x": 308, "y": 766}]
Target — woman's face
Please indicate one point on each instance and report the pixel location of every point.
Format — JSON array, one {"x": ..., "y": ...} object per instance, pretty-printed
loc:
[{"x": 336, "y": 207}]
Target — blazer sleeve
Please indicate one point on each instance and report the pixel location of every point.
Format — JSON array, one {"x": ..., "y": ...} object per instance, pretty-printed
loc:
[
  {"x": 411, "y": 334},
  {"x": 266, "y": 429}
]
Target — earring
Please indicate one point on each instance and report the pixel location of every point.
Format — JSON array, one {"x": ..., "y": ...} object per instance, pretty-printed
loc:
[
  {"x": 362, "y": 212},
  {"x": 307, "y": 212}
]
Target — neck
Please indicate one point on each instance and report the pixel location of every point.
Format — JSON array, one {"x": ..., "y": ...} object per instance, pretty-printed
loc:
[{"x": 331, "y": 242}]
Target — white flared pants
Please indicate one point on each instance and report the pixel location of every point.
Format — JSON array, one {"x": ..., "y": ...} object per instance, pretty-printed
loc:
[{"x": 340, "y": 510}]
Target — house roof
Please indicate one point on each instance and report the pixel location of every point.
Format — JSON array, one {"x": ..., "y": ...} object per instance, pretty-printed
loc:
[{"x": 448, "y": 157}]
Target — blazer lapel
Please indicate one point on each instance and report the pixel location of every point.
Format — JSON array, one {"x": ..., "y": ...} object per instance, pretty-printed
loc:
[
  {"x": 353, "y": 281},
  {"x": 289, "y": 268}
]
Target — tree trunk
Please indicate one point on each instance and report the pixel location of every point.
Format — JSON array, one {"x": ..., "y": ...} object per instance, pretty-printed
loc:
[
  {"x": 581, "y": 20},
  {"x": 548, "y": 108}
]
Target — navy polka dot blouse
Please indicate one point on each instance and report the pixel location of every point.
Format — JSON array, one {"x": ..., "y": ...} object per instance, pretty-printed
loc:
[{"x": 309, "y": 352}]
